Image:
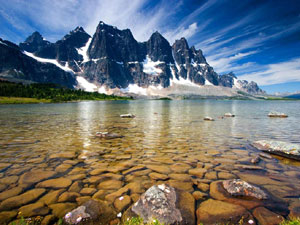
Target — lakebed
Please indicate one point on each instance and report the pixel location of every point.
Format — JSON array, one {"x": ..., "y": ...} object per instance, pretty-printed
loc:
[{"x": 52, "y": 161}]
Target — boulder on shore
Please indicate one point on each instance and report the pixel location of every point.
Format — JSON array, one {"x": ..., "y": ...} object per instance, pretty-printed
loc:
[{"x": 285, "y": 149}]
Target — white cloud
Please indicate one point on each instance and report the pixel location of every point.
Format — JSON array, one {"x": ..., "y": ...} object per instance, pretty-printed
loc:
[
  {"x": 283, "y": 72},
  {"x": 181, "y": 32}
]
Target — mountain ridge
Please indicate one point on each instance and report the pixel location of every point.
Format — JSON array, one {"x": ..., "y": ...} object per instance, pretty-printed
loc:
[{"x": 113, "y": 59}]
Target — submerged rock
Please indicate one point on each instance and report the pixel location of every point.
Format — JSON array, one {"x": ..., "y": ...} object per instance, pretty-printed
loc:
[
  {"x": 285, "y": 149},
  {"x": 36, "y": 176},
  {"x": 35, "y": 209},
  {"x": 218, "y": 212},
  {"x": 127, "y": 116},
  {"x": 57, "y": 183},
  {"x": 7, "y": 216},
  {"x": 266, "y": 217},
  {"x": 237, "y": 187},
  {"x": 108, "y": 135},
  {"x": 277, "y": 114},
  {"x": 17, "y": 201}
]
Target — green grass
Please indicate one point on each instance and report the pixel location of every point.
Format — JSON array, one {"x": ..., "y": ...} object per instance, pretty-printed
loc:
[
  {"x": 139, "y": 221},
  {"x": 20, "y": 100},
  {"x": 295, "y": 221}
]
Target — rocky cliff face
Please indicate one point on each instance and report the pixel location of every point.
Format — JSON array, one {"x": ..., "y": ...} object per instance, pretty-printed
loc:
[
  {"x": 114, "y": 59},
  {"x": 16, "y": 65},
  {"x": 64, "y": 51}
]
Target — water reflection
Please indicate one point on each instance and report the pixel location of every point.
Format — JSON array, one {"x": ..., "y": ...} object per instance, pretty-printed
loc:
[{"x": 163, "y": 133}]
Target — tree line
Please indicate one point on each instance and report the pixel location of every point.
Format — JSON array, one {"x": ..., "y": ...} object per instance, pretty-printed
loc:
[{"x": 53, "y": 92}]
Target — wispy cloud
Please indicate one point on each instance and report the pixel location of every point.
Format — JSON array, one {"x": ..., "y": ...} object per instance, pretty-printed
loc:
[
  {"x": 226, "y": 64},
  {"x": 283, "y": 72},
  {"x": 182, "y": 32}
]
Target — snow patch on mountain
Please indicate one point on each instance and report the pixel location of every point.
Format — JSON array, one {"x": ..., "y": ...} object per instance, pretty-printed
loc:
[
  {"x": 53, "y": 61},
  {"x": 83, "y": 50},
  {"x": 135, "y": 89},
  {"x": 236, "y": 83},
  {"x": 149, "y": 67},
  {"x": 207, "y": 82},
  {"x": 86, "y": 85},
  {"x": 2, "y": 43},
  {"x": 181, "y": 80}
]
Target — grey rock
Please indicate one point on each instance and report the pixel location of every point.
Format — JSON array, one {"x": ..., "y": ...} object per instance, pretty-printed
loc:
[
  {"x": 285, "y": 149},
  {"x": 158, "y": 202}
]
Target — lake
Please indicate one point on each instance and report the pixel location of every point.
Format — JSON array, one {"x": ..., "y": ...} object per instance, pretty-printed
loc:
[{"x": 53, "y": 149}]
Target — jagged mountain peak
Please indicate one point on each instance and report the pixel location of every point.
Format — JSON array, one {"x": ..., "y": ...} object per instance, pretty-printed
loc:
[
  {"x": 34, "y": 43},
  {"x": 77, "y": 33},
  {"x": 159, "y": 49},
  {"x": 35, "y": 36},
  {"x": 79, "y": 29}
]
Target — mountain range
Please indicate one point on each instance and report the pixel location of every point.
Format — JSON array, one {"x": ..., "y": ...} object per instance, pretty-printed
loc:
[{"x": 112, "y": 61}]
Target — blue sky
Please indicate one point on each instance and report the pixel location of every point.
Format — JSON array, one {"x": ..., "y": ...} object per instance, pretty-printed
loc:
[{"x": 256, "y": 39}]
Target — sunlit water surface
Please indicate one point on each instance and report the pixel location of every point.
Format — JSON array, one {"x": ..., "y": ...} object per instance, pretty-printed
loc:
[{"x": 162, "y": 133}]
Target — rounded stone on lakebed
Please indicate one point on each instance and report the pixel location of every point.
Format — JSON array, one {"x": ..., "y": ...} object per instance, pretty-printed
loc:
[
  {"x": 158, "y": 176},
  {"x": 58, "y": 183},
  {"x": 199, "y": 172},
  {"x": 199, "y": 195},
  {"x": 203, "y": 187},
  {"x": 35, "y": 176},
  {"x": 110, "y": 185},
  {"x": 88, "y": 191},
  {"x": 35, "y": 209},
  {"x": 76, "y": 186},
  {"x": 214, "y": 212},
  {"x": 10, "y": 193},
  {"x": 266, "y": 217},
  {"x": 7, "y": 216},
  {"x": 51, "y": 197},
  {"x": 60, "y": 209},
  {"x": 68, "y": 197},
  {"x": 180, "y": 176},
  {"x": 122, "y": 203},
  {"x": 9, "y": 180},
  {"x": 159, "y": 169},
  {"x": 17, "y": 201},
  {"x": 180, "y": 167}
]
